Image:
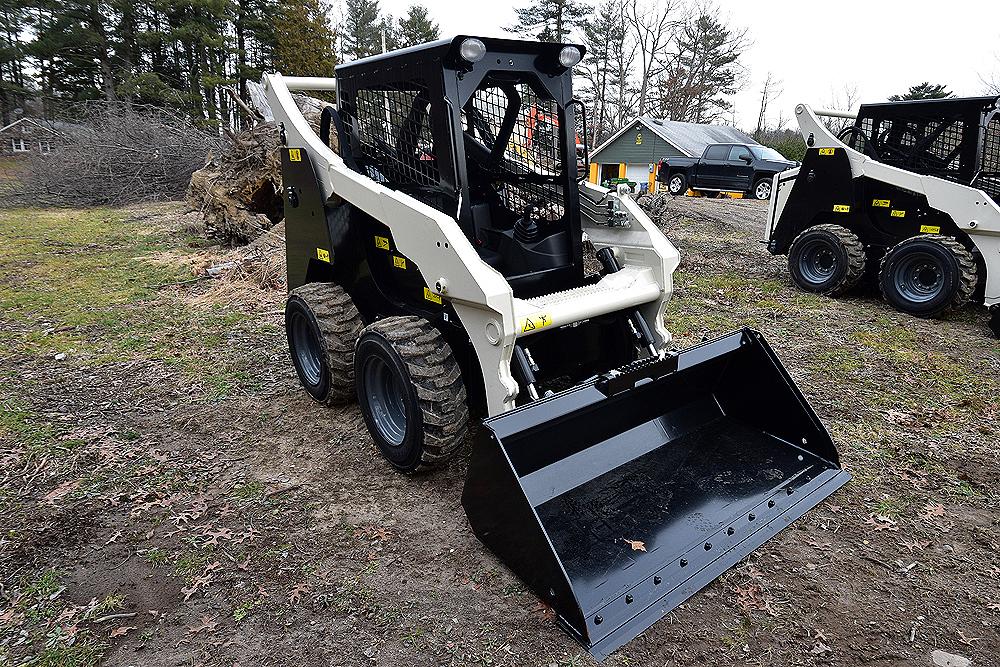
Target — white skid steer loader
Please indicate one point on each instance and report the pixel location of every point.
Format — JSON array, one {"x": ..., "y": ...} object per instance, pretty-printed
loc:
[
  {"x": 909, "y": 192},
  {"x": 436, "y": 269}
]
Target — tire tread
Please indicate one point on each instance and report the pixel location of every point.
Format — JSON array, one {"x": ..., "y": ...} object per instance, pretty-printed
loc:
[
  {"x": 340, "y": 325},
  {"x": 437, "y": 379}
]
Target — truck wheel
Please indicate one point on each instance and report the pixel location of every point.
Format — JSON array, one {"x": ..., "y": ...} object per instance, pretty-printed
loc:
[
  {"x": 411, "y": 392},
  {"x": 827, "y": 259},
  {"x": 322, "y": 325},
  {"x": 677, "y": 185},
  {"x": 762, "y": 189},
  {"x": 928, "y": 275}
]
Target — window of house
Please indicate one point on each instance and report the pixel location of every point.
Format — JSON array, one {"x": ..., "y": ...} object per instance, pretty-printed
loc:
[
  {"x": 45, "y": 146},
  {"x": 18, "y": 146}
]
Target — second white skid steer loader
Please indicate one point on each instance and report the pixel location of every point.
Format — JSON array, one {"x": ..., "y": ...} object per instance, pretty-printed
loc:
[
  {"x": 909, "y": 192},
  {"x": 436, "y": 269}
]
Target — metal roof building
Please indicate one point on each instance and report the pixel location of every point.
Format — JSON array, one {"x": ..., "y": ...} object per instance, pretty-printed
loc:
[{"x": 633, "y": 151}]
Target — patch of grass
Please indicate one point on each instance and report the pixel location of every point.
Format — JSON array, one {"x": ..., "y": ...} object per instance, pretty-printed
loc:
[
  {"x": 87, "y": 283},
  {"x": 156, "y": 556},
  {"x": 84, "y": 652},
  {"x": 188, "y": 564},
  {"x": 249, "y": 491}
]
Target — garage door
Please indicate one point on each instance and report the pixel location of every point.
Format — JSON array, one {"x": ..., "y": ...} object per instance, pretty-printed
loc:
[{"x": 638, "y": 173}]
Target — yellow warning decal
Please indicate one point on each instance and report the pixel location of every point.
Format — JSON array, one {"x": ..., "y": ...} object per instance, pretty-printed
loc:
[
  {"x": 535, "y": 322},
  {"x": 930, "y": 229},
  {"x": 881, "y": 203},
  {"x": 827, "y": 151},
  {"x": 431, "y": 296},
  {"x": 381, "y": 242},
  {"x": 323, "y": 255},
  {"x": 399, "y": 262},
  {"x": 898, "y": 214},
  {"x": 295, "y": 154},
  {"x": 841, "y": 208}
]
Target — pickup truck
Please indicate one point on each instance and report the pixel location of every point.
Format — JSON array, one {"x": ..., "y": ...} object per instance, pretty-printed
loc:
[{"x": 725, "y": 168}]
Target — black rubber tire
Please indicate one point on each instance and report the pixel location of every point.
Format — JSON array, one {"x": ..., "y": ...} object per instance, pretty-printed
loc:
[
  {"x": 827, "y": 259},
  {"x": 428, "y": 382},
  {"x": 754, "y": 191},
  {"x": 322, "y": 325},
  {"x": 950, "y": 269},
  {"x": 995, "y": 321},
  {"x": 677, "y": 184}
]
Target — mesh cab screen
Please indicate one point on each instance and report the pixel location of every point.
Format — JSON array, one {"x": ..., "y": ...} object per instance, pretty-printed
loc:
[
  {"x": 933, "y": 147},
  {"x": 392, "y": 125},
  {"x": 988, "y": 179},
  {"x": 517, "y": 131}
]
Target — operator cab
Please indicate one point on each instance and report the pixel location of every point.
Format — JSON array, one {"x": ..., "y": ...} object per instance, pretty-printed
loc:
[
  {"x": 484, "y": 130},
  {"x": 957, "y": 139}
]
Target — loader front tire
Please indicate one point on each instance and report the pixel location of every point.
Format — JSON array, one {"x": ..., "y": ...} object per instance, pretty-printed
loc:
[
  {"x": 827, "y": 259},
  {"x": 411, "y": 392},
  {"x": 928, "y": 275},
  {"x": 322, "y": 324}
]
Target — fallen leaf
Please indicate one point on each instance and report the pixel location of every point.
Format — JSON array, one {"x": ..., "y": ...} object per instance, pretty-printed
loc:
[
  {"x": 207, "y": 623},
  {"x": 820, "y": 648},
  {"x": 932, "y": 510},
  {"x": 635, "y": 544},
  {"x": 967, "y": 640},
  {"x": 545, "y": 611},
  {"x": 61, "y": 491},
  {"x": 122, "y": 631},
  {"x": 296, "y": 593}
]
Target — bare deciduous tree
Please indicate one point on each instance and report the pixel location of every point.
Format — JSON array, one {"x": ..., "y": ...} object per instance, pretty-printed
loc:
[
  {"x": 703, "y": 69},
  {"x": 771, "y": 90},
  {"x": 846, "y": 100},
  {"x": 653, "y": 26}
]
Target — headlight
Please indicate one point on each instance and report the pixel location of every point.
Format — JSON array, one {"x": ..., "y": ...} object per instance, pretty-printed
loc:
[
  {"x": 569, "y": 56},
  {"x": 472, "y": 50}
]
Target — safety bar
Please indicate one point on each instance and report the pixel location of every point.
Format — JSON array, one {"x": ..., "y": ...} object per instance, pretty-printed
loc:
[
  {"x": 310, "y": 83},
  {"x": 832, "y": 113}
]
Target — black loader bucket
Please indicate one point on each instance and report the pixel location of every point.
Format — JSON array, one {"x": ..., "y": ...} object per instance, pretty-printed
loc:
[{"x": 619, "y": 499}]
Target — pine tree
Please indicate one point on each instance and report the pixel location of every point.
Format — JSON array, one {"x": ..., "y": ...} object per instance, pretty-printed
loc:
[
  {"x": 924, "y": 91},
  {"x": 606, "y": 37},
  {"x": 304, "y": 39},
  {"x": 416, "y": 28},
  {"x": 550, "y": 20},
  {"x": 362, "y": 29},
  {"x": 14, "y": 77}
]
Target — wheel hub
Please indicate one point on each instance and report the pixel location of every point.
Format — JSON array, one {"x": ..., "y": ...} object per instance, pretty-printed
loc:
[
  {"x": 307, "y": 351},
  {"x": 763, "y": 190},
  {"x": 675, "y": 184},
  {"x": 818, "y": 262},
  {"x": 919, "y": 278},
  {"x": 384, "y": 395}
]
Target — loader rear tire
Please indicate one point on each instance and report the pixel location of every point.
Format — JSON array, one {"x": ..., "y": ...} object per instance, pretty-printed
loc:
[
  {"x": 322, "y": 324},
  {"x": 411, "y": 392},
  {"x": 827, "y": 259},
  {"x": 928, "y": 275}
]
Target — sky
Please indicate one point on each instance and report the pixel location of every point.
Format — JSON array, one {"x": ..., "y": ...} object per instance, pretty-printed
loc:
[{"x": 816, "y": 50}]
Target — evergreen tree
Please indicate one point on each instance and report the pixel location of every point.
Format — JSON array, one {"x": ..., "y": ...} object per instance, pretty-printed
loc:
[
  {"x": 924, "y": 91},
  {"x": 416, "y": 27},
  {"x": 550, "y": 20},
  {"x": 606, "y": 69},
  {"x": 304, "y": 39},
  {"x": 362, "y": 29},
  {"x": 13, "y": 60}
]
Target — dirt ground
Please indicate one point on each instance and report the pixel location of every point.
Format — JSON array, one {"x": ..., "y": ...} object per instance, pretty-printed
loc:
[{"x": 168, "y": 495}]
